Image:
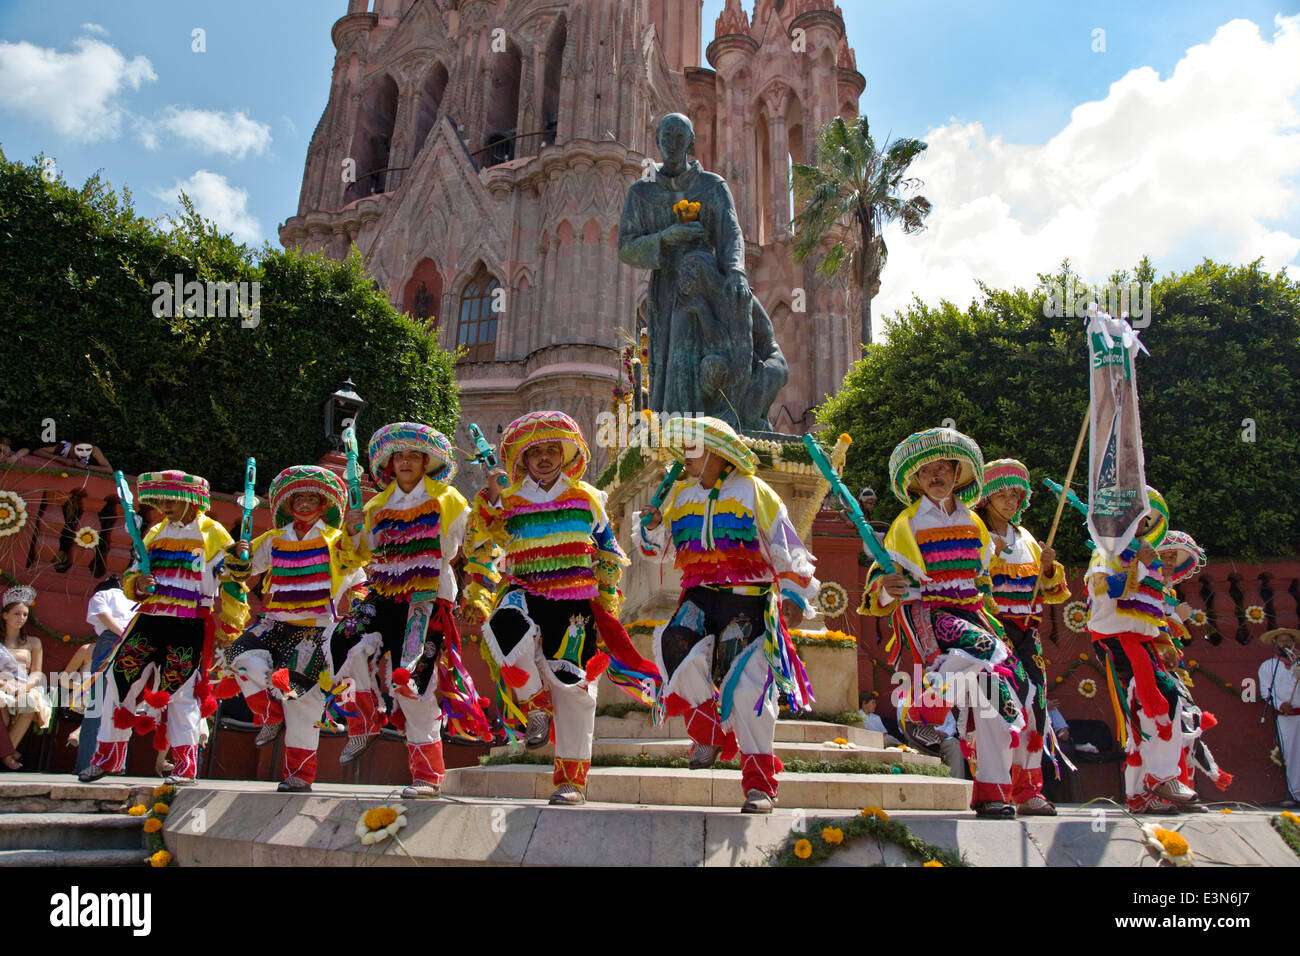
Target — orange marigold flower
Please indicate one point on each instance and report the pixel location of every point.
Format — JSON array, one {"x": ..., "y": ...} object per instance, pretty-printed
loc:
[
  {"x": 152, "y": 825},
  {"x": 803, "y": 849}
]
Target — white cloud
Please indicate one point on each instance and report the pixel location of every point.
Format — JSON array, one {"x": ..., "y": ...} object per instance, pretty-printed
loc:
[
  {"x": 210, "y": 131},
  {"x": 216, "y": 199},
  {"x": 95, "y": 28},
  {"x": 76, "y": 93},
  {"x": 1194, "y": 165}
]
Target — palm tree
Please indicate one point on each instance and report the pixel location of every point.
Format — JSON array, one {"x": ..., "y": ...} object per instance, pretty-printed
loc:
[{"x": 854, "y": 183}]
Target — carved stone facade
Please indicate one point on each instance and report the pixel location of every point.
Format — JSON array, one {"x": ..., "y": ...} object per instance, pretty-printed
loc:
[{"x": 470, "y": 142}]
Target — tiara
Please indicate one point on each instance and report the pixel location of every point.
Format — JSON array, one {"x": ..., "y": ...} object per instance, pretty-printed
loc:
[{"x": 20, "y": 594}]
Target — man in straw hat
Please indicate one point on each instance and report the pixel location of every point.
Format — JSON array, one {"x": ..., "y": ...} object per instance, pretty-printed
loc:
[
  {"x": 726, "y": 651},
  {"x": 1278, "y": 687},
  {"x": 552, "y": 627},
  {"x": 188, "y": 605},
  {"x": 1126, "y": 611},
  {"x": 309, "y": 568},
  {"x": 939, "y": 600},
  {"x": 402, "y": 640}
]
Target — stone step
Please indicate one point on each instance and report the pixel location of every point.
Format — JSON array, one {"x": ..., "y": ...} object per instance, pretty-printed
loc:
[
  {"x": 19, "y": 796},
  {"x": 70, "y": 831},
  {"x": 72, "y": 858},
  {"x": 637, "y": 724},
  {"x": 716, "y": 788},
  {"x": 786, "y": 750}
]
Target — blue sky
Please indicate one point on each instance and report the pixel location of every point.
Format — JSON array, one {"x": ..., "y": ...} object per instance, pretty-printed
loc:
[{"x": 993, "y": 87}]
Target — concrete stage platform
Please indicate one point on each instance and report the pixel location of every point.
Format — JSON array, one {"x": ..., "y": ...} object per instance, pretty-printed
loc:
[{"x": 237, "y": 823}]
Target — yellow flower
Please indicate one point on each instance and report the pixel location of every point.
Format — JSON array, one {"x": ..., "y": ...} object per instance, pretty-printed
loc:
[
  {"x": 840, "y": 740},
  {"x": 1192, "y": 664},
  {"x": 63, "y": 474},
  {"x": 932, "y": 863},
  {"x": 1255, "y": 614},
  {"x": 163, "y": 790},
  {"x": 1169, "y": 846},
  {"x": 152, "y": 825},
  {"x": 1226, "y": 810},
  {"x": 379, "y": 824},
  {"x": 803, "y": 849},
  {"x": 832, "y": 835},
  {"x": 1060, "y": 680},
  {"x": 138, "y": 810},
  {"x": 161, "y": 809},
  {"x": 876, "y": 812},
  {"x": 87, "y": 538},
  {"x": 161, "y": 858},
  {"x": 1083, "y": 657},
  {"x": 1290, "y": 817}
]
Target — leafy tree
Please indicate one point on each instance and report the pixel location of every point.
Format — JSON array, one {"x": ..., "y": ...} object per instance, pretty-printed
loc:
[
  {"x": 853, "y": 182},
  {"x": 1220, "y": 399},
  {"x": 199, "y": 392}
]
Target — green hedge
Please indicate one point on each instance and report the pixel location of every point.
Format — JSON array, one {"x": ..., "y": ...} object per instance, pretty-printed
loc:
[
  {"x": 77, "y": 269},
  {"x": 1225, "y": 347}
]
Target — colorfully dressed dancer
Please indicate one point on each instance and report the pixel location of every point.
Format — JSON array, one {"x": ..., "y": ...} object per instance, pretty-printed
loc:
[
  {"x": 553, "y": 626},
  {"x": 402, "y": 640},
  {"x": 309, "y": 569},
  {"x": 188, "y": 606},
  {"x": 726, "y": 652},
  {"x": 1125, "y": 614},
  {"x": 939, "y": 603},
  {"x": 1183, "y": 559},
  {"x": 1021, "y": 566}
]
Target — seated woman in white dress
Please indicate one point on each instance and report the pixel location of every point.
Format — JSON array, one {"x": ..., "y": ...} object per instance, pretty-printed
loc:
[{"x": 22, "y": 695}]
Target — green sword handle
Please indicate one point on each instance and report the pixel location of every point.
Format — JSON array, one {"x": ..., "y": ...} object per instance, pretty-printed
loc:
[
  {"x": 661, "y": 493},
  {"x": 851, "y": 507},
  {"x": 486, "y": 456},
  {"x": 249, "y": 501},
  {"x": 129, "y": 518},
  {"x": 353, "y": 473}
]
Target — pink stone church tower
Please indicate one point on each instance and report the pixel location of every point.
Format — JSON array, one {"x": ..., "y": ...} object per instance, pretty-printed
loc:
[{"x": 477, "y": 153}]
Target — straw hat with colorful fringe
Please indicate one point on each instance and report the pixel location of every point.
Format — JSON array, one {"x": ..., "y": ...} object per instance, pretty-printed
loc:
[
  {"x": 1181, "y": 556},
  {"x": 155, "y": 487},
  {"x": 1005, "y": 473},
  {"x": 20, "y": 594},
  {"x": 679, "y": 434},
  {"x": 535, "y": 428},
  {"x": 937, "y": 444},
  {"x": 1155, "y": 535},
  {"x": 313, "y": 478},
  {"x": 411, "y": 436}
]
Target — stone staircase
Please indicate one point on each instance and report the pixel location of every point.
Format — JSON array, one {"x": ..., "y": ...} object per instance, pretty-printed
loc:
[
  {"x": 70, "y": 824},
  {"x": 657, "y": 786}
]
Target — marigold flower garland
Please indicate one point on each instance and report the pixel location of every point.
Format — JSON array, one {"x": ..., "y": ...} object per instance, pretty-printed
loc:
[
  {"x": 163, "y": 795},
  {"x": 873, "y": 822}
]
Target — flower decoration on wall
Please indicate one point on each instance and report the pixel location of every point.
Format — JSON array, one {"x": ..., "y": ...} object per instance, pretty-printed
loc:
[
  {"x": 1254, "y": 614},
  {"x": 1087, "y": 688},
  {"x": 1076, "y": 616},
  {"x": 87, "y": 538},
  {"x": 1198, "y": 618},
  {"x": 13, "y": 513},
  {"x": 832, "y": 599}
]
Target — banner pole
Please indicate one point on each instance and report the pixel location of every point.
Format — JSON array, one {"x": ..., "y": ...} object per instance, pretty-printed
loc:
[{"x": 1060, "y": 499}]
